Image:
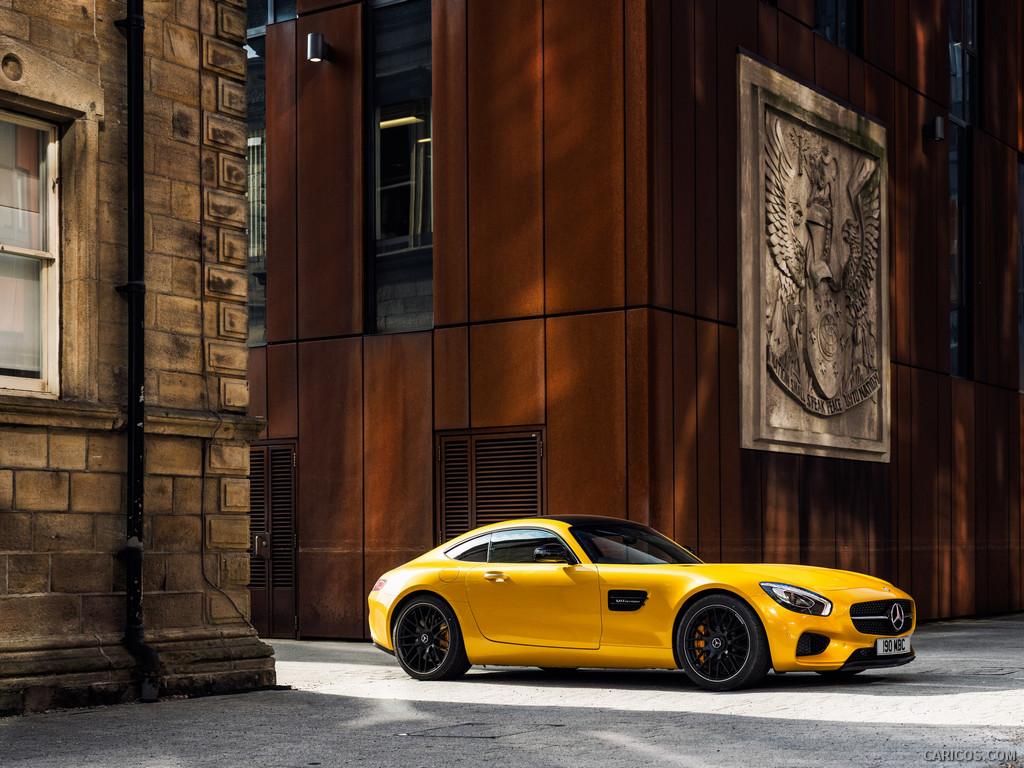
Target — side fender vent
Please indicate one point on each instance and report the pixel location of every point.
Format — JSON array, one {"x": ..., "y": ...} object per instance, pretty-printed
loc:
[{"x": 626, "y": 599}]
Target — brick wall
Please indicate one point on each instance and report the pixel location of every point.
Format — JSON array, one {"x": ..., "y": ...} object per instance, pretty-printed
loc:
[{"x": 62, "y": 460}]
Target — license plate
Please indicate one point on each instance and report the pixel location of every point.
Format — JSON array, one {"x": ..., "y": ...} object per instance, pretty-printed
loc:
[{"x": 892, "y": 646}]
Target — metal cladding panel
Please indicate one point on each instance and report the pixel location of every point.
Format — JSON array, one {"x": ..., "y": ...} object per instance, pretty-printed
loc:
[
  {"x": 507, "y": 374},
  {"x": 330, "y": 489},
  {"x": 449, "y": 149},
  {"x": 398, "y": 441},
  {"x": 962, "y": 495},
  {"x": 329, "y": 184},
  {"x": 648, "y": 401},
  {"x": 684, "y": 88},
  {"x": 282, "y": 391},
  {"x": 922, "y": 243},
  {"x": 929, "y": 57},
  {"x": 584, "y": 156},
  {"x": 281, "y": 213},
  {"x": 586, "y": 383},
  {"x": 709, "y": 496},
  {"x": 818, "y": 512},
  {"x": 780, "y": 494},
  {"x": 257, "y": 378},
  {"x": 705, "y": 148},
  {"x": 684, "y": 430},
  {"x": 831, "y": 68},
  {"x": 330, "y": 445},
  {"x": 451, "y": 378},
  {"x": 332, "y": 599},
  {"x": 796, "y": 47},
  {"x": 924, "y": 493},
  {"x": 506, "y": 157}
]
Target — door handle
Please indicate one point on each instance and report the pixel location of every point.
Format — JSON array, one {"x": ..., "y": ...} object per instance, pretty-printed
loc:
[{"x": 495, "y": 576}]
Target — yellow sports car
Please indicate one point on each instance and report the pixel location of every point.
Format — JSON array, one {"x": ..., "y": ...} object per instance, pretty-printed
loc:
[{"x": 580, "y": 591}]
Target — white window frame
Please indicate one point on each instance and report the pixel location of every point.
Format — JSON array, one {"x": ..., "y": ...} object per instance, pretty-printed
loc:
[{"x": 48, "y": 385}]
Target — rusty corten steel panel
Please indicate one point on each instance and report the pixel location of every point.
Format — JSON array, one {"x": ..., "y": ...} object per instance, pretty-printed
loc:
[
  {"x": 584, "y": 206},
  {"x": 451, "y": 378},
  {"x": 506, "y": 156},
  {"x": 398, "y": 441},
  {"x": 683, "y": 160},
  {"x": 924, "y": 493},
  {"x": 257, "y": 378},
  {"x": 281, "y": 232},
  {"x": 449, "y": 168},
  {"x": 831, "y": 68},
  {"x": 928, "y": 51},
  {"x": 329, "y": 184},
  {"x": 684, "y": 393},
  {"x": 768, "y": 32},
  {"x": 586, "y": 397},
  {"x": 780, "y": 494},
  {"x": 709, "y": 497},
  {"x": 943, "y": 476},
  {"x": 648, "y": 401},
  {"x": 741, "y": 532},
  {"x": 818, "y": 513},
  {"x": 922, "y": 245},
  {"x": 706, "y": 158},
  {"x": 330, "y": 488},
  {"x": 796, "y": 48},
  {"x": 506, "y": 363},
  {"x": 282, "y": 391},
  {"x": 736, "y": 27}
]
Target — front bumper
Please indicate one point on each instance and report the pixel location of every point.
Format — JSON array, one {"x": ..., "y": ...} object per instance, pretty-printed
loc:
[{"x": 867, "y": 658}]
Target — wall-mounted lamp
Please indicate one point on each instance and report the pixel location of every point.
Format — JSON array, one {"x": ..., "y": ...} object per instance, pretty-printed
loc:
[
  {"x": 316, "y": 48},
  {"x": 935, "y": 129}
]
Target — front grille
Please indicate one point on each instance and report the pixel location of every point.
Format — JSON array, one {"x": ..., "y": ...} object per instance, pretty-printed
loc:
[
  {"x": 811, "y": 644},
  {"x": 873, "y": 617}
]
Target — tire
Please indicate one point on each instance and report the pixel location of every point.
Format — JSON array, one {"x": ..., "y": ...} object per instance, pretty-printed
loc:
[
  {"x": 721, "y": 644},
  {"x": 428, "y": 641}
]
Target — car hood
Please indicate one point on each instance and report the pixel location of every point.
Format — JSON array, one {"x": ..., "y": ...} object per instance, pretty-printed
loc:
[{"x": 806, "y": 576}]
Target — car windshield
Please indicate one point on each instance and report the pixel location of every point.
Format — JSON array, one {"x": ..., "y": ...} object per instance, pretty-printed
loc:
[{"x": 629, "y": 543}]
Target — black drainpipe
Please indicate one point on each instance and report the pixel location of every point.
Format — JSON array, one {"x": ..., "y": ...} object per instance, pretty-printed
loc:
[{"x": 148, "y": 664}]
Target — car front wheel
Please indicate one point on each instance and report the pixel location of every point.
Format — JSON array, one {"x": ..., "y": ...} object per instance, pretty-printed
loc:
[
  {"x": 427, "y": 639},
  {"x": 721, "y": 644}
]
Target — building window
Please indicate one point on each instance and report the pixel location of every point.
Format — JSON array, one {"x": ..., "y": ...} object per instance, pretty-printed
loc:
[
  {"x": 963, "y": 84},
  {"x": 29, "y": 270},
  {"x": 839, "y": 22},
  {"x": 488, "y": 477},
  {"x": 1020, "y": 270},
  {"x": 400, "y": 276},
  {"x": 256, "y": 87}
]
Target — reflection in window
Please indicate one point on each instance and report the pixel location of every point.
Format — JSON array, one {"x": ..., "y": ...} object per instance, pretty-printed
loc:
[
  {"x": 257, "y": 130},
  {"x": 960, "y": 315},
  {"x": 401, "y": 272},
  {"x": 28, "y": 254},
  {"x": 963, "y": 88},
  {"x": 1020, "y": 270},
  {"x": 839, "y": 22}
]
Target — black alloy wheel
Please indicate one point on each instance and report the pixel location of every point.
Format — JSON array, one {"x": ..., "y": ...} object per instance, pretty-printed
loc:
[
  {"x": 428, "y": 643},
  {"x": 721, "y": 644}
]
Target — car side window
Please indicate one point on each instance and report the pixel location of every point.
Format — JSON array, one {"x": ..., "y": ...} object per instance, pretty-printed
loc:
[
  {"x": 472, "y": 550},
  {"x": 518, "y": 546}
]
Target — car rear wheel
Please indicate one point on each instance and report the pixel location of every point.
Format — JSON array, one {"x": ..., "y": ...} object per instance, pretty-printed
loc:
[
  {"x": 721, "y": 644},
  {"x": 428, "y": 642}
]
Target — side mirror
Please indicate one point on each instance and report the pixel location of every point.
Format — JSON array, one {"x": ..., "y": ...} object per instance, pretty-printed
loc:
[
  {"x": 551, "y": 553},
  {"x": 691, "y": 550}
]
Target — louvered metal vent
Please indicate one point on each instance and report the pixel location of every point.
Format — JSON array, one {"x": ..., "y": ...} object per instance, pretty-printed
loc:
[
  {"x": 257, "y": 514},
  {"x": 486, "y": 478},
  {"x": 282, "y": 517}
]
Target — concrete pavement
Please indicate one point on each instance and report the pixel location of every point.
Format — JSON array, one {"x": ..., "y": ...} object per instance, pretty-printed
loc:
[{"x": 961, "y": 703}]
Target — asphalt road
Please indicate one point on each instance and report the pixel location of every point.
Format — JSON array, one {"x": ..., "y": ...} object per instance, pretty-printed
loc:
[{"x": 961, "y": 703}]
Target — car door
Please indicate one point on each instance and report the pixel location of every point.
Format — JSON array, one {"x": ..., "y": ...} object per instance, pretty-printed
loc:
[{"x": 515, "y": 599}]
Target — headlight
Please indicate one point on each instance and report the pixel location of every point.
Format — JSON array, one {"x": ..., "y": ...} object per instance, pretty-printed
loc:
[{"x": 797, "y": 599}]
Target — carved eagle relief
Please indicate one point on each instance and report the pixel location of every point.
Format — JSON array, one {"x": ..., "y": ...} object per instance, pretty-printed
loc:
[{"x": 822, "y": 228}]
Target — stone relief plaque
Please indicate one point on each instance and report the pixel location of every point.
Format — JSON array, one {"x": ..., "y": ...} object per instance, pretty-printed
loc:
[{"x": 814, "y": 324}]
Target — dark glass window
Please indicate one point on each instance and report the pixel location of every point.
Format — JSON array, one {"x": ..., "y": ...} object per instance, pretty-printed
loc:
[
  {"x": 960, "y": 295},
  {"x": 518, "y": 546},
  {"x": 401, "y": 271},
  {"x": 839, "y": 22},
  {"x": 257, "y": 129},
  {"x": 472, "y": 551},
  {"x": 629, "y": 543},
  {"x": 1020, "y": 270},
  {"x": 963, "y": 113}
]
